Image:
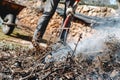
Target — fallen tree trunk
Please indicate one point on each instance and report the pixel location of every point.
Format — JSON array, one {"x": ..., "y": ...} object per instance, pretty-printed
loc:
[
  {"x": 93, "y": 20},
  {"x": 86, "y": 19}
]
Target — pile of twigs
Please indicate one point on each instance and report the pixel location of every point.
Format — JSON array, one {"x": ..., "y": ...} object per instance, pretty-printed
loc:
[{"x": 21, "y": 64}]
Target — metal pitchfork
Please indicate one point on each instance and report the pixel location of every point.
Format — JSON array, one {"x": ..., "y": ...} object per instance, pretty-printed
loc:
[
  {"x": 67, "y": 21},
  {"x": 64, "y": 28},
  {"x": 65, "y": 24}
]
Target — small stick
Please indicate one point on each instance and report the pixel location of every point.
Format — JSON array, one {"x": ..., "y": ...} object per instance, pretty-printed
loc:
[{"x": 77, "y": 43}]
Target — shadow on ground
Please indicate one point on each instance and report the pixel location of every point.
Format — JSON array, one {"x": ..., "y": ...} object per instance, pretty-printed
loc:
[{"x": 23, "y": 37}]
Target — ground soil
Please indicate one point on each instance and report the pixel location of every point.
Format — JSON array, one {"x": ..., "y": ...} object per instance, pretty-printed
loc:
[
  {"x": 29, "y": 16},
  {"x": 19, "y": 62}
]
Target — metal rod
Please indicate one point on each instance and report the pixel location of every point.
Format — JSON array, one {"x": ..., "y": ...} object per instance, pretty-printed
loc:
[{"x": 61, "y": 28}]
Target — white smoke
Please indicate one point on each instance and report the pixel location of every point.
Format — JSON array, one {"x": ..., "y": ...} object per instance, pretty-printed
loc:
[
  {"x": 92, "y": 45},
  {"x": 96, "y": 43}
]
